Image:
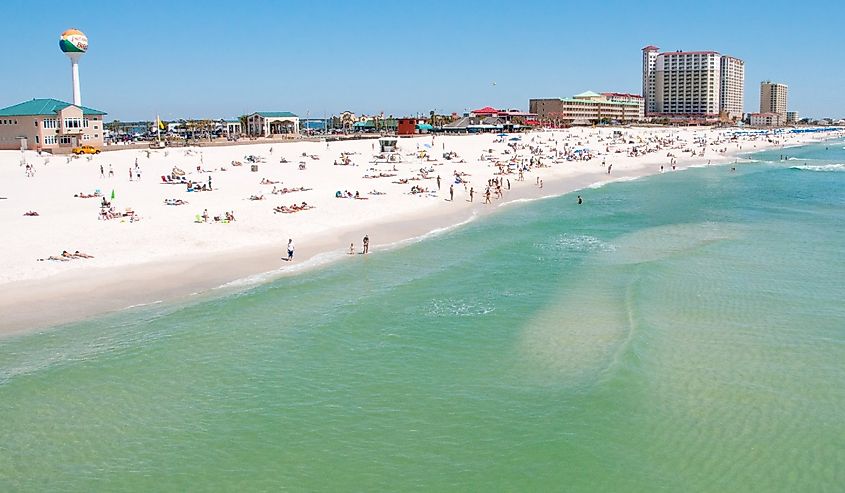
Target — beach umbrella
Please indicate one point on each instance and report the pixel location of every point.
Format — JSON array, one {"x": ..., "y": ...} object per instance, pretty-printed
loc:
[
  {"x": 112, "y": 193},
  {"x": 502, "y": 135}
]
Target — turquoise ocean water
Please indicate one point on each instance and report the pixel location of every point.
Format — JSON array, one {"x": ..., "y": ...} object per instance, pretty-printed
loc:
[{"x": 683, "y": 332}]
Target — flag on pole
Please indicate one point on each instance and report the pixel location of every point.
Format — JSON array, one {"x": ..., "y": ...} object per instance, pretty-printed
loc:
[{"x": 159, "y": 123}]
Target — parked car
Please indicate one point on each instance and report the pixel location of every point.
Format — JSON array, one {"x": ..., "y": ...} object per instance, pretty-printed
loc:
[{"x": 85, "y": 150}]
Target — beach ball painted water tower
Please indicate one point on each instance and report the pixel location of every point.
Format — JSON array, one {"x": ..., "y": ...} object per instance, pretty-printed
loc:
[{"x": 74, "y": 44}]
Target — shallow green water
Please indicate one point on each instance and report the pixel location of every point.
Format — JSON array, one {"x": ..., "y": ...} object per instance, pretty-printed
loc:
[{"x": 684, "y": 332}]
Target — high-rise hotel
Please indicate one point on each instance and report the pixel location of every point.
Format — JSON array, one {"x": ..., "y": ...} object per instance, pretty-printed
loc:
[
  {"x": 692, "y": 84},
  {"x": 773, "y": 98}
]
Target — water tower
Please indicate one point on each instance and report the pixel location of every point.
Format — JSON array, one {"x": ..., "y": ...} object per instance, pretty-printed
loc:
[{"x": 74, "y": 44}]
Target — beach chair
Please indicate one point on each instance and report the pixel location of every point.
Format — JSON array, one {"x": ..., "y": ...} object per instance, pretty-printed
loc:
[{"x": 164, "y": 179}]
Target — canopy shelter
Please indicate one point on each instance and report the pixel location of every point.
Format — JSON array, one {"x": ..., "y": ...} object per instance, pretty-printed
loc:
[{"x": 269, "y": 123}]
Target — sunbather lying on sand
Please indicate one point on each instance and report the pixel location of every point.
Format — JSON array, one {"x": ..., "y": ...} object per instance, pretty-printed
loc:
[
  {"x": 293, "y": 208},
  {"x": 289, "y": 190}
]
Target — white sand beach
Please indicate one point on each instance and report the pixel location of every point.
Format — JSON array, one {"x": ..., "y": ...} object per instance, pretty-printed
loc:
[{"x": 143, "y": 248}]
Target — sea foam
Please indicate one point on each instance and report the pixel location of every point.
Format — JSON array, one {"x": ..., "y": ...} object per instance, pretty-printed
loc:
[{"x": 838, "y": 167}]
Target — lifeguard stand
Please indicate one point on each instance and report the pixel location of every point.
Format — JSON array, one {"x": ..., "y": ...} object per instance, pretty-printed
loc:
[{"x": 387, "y": 144}]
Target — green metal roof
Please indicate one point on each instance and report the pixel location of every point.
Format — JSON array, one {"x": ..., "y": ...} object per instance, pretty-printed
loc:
[
  {"x": 588, "y": 94},
  {"x": 587, "y": 101},
  {"x": 276, "y": 114},
  {"x": 37, "y": 107},
  {"x": 383, "y": 123}
]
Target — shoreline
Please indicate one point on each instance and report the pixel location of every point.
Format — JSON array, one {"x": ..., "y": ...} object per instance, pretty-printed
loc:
[{"x": 60, "y": 299}]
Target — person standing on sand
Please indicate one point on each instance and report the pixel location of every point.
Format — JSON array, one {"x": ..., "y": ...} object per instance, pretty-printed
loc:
[
  {"x": 366, "y": 244},
  {"x": 130, "y": 174},
  {"x": 290, "y": 250},
  {"x": 471, "y": 193},
  {"x": 438, "y": 183},
  {"x": 451, "y": 193},
  {"x": 102, "y": 172},
  {"x": 111, "y": 171}
]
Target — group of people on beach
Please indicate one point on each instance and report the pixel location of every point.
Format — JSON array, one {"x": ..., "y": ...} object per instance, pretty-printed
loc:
[
  {"x": 226, "y": 217},
  {"x": 304, "y": 206},
  {"x": 66, "y": 256}
]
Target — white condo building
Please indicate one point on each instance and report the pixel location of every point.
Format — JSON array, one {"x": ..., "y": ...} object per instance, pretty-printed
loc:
[
  {"x": 732, "y": 87},
  {"x": 692, "y": 84},
  {"x": 649, "y": 62}
]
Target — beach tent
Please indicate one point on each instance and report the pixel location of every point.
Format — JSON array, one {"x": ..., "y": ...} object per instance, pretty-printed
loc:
[{"x": 424, "y": 126}]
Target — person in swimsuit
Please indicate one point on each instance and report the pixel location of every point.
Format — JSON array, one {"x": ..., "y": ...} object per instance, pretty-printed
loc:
[{"x": 290, "y": 250}]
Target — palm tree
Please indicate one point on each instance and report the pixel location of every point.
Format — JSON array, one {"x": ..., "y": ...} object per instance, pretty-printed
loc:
[
  {"x": 243, "y": 119},
  {"x": 113, "y": 126}
]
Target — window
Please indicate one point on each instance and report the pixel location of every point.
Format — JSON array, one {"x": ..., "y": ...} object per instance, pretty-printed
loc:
[
  {"x": 36, "y": 123},
  {"x": 85, "y": 121},
  {"x": 64, "y": 139},
  {"x": 73, "y": 123},
  {"x": 36, "y": 139},
  {"x": 50, "y": 123},
  {"x": 49, "y": 139}
]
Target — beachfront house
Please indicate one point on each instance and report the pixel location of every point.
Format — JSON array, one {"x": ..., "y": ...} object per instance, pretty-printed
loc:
[
  {"x": 232, "y": 128},
  {"x": 765, "y": 119},
  {"x": 507, "y": 117},
  {"x": 270, "y": 123},
  {"x": 50, "y": 125}
]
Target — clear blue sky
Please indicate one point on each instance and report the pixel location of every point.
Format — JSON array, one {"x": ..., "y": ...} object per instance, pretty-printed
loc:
[{"x": 222, "y": 59}]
